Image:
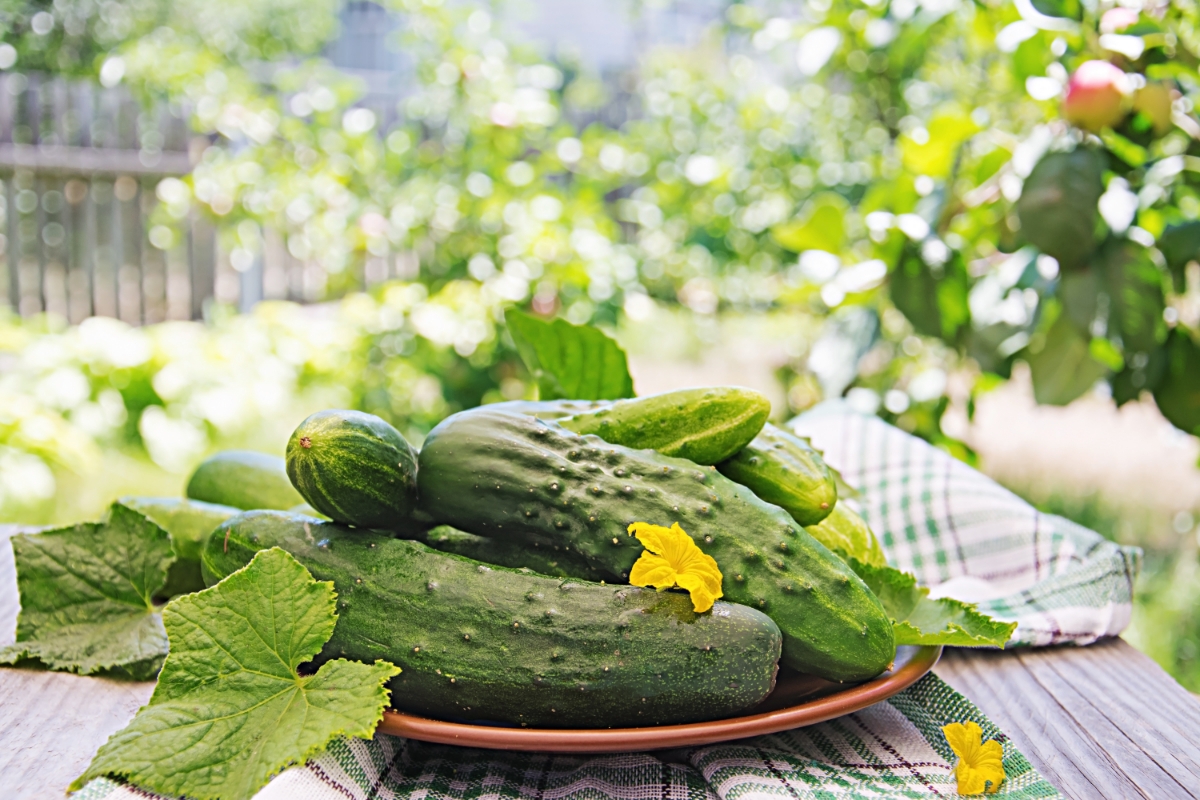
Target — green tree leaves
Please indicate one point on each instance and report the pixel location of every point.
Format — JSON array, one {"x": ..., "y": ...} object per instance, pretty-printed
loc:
[
  {"x": 1063, "y": 366},
  {"x": 1057, "y": 208},
  {"x": 568, "y": 360},
  {"x": 933, "y": 297},
  {"x": 86, "y": 596},
  {"x": 1178, "y": 392},
  {"x": 230, "y": 711}
]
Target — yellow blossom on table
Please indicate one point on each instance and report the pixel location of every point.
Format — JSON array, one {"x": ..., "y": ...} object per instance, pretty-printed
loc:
[
  {"x": 980, "y": 765},
  {"x": 672, "y": 559}
]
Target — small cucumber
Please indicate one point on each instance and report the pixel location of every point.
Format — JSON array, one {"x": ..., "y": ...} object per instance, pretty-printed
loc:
[
  {"x": 706, "y": 426},
  {"x": 548, "y": 560},
  {"x": 847, "y": 534},
  {"x": 189, "y": 522},
  {"x": 354, "y": 468},
  {"x": 527, "y": 481},
  {"x": 488, "y": 643},
  {"x": 785, "y": 470},
  {"x": 244, "y": 479}
]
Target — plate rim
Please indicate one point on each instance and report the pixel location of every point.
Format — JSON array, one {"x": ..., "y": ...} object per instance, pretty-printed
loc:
[{"x": 625, "y": 740}]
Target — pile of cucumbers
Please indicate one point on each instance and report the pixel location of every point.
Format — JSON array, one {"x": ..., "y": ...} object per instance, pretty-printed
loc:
[{"x": 492, "y": 567}]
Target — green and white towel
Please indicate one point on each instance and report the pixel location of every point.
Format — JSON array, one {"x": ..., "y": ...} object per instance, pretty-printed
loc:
[
  {"x": 951, "y": 526},
  {"x": 892, "y": 749},
  {"x": 970, "y": 538}
]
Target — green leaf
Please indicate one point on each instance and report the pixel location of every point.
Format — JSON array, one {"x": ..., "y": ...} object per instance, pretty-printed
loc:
[
  {"x": 1063, "y": 369},
  {"x": 1058, "y": 205},
  {"x": 918, "y": 620},
  {"x": 86, "y": 596},
  {"x": 1131, "y": 153},
  {"x": 820, "y": 226},
  {"x": 1178, "y": 392},
  {"x": 1135, "y": 292},
  {"x": 570, "y": 361},
  {"x": 1179, "y": 245},
  {"x": 230, "y": 711},
  {"x": 933, "y": 298},
  {"x": 945, "y": 132}
]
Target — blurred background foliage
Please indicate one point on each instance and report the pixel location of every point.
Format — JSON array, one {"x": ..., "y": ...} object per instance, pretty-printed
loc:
[{"x": 921, "y": 193}]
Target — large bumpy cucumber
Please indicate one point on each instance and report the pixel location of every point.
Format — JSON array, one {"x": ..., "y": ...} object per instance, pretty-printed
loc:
[
  {"x": 785, "y": 470},
  {"x": 189, "y": 522},
  {"x": 553, "y": 560},
  {"x": 488, "y": 643},
  {"x": 706, "y": 426},
  {"x": 244, "y": 479},
  {"x": 510, "y": 476},
  {"x": 847, "y": 534},
  {"x": 354, "y": 468}
]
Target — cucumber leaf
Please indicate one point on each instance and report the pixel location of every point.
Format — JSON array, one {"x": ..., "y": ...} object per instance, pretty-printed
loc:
[
  {"x": 570, "y": 361},
  {"x": 86, "y": 596},
  {"x": 230, "y": 711},
  {"x": 916, "y": 619}
]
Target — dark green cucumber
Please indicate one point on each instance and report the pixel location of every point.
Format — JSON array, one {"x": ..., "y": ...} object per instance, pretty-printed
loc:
[
  {"x": 528, "y": 481},
  {"x": 544, "y": 560},
  {"x": 243, "y": 479},
  {"x": 706, "y": 426},
  {"x": 847, "y": 534},
  {"x": 488, "y": 643},
  {"x": 354, "y": 468},
  {"x": 189, "y": 522},
  {"x": 785, "y": 470}
]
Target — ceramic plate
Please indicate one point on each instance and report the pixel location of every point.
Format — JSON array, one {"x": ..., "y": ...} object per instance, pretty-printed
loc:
[{"x": 798, "y": 700}]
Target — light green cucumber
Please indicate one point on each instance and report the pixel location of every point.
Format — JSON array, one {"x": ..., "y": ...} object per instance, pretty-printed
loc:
[
  {"x": 244, "y": 479},
  {"x": 706, "y": 426},
  {"x": 527, "y": 481},
  {"x": 189, "y": 522},
  {"x": 477, "y": 642},
  {"x": 785, "y": 470},
  {"x": 354, "y": 468},
  {"x": 847, "y": 534}
]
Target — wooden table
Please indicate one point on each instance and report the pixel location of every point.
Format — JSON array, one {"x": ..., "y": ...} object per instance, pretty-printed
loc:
[{"x": 1098, "y": 722}]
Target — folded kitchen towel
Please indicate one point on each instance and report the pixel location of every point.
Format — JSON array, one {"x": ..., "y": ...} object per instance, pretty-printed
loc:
[
  {"x": 966, "y": 536},
  {"x": 954, "y": 528},
  {"x": 892, "y": 749}
]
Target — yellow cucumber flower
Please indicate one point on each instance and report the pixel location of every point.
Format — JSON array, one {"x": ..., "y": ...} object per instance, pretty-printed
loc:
[
  {"x": 980, "y": 763},
  {"x": 671, "y": 559}
]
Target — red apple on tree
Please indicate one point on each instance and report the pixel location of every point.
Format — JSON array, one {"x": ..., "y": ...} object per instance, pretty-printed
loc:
[{"x": 1097, "y": 96}]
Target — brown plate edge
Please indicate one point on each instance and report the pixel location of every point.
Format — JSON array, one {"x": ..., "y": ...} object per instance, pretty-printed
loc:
[{"x": 623, "y": 740}]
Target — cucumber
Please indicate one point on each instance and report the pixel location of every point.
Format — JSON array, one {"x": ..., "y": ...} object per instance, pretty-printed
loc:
[
  {"x": 847, "y": 534},
  {"x": 189, "y": 522},
  {"x": 524, "y": 480},
  {"x": 785, "y": 470},
  {"x": 706, "y": 426},
  {"x": 488, "y": 643},
  {"x": 551, "y": 409},
  {"x": 549, "y": 560},
  {"x": 354, "y": 468},
  {"x": 243, "y": 479}
]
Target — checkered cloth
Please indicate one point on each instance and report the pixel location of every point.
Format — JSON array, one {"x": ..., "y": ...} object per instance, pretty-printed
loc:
[
  {"x": 951, "y": 526},
  {"x": 970, "y": 538}
]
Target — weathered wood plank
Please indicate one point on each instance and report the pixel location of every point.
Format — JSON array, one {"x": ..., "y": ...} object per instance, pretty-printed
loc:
[{"x": 1099, "y": 722}]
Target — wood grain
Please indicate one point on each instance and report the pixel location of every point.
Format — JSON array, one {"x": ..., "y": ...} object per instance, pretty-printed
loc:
[
  {"x": 1098, "y": 722},
  {"x": 1102, "y": 721}
]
